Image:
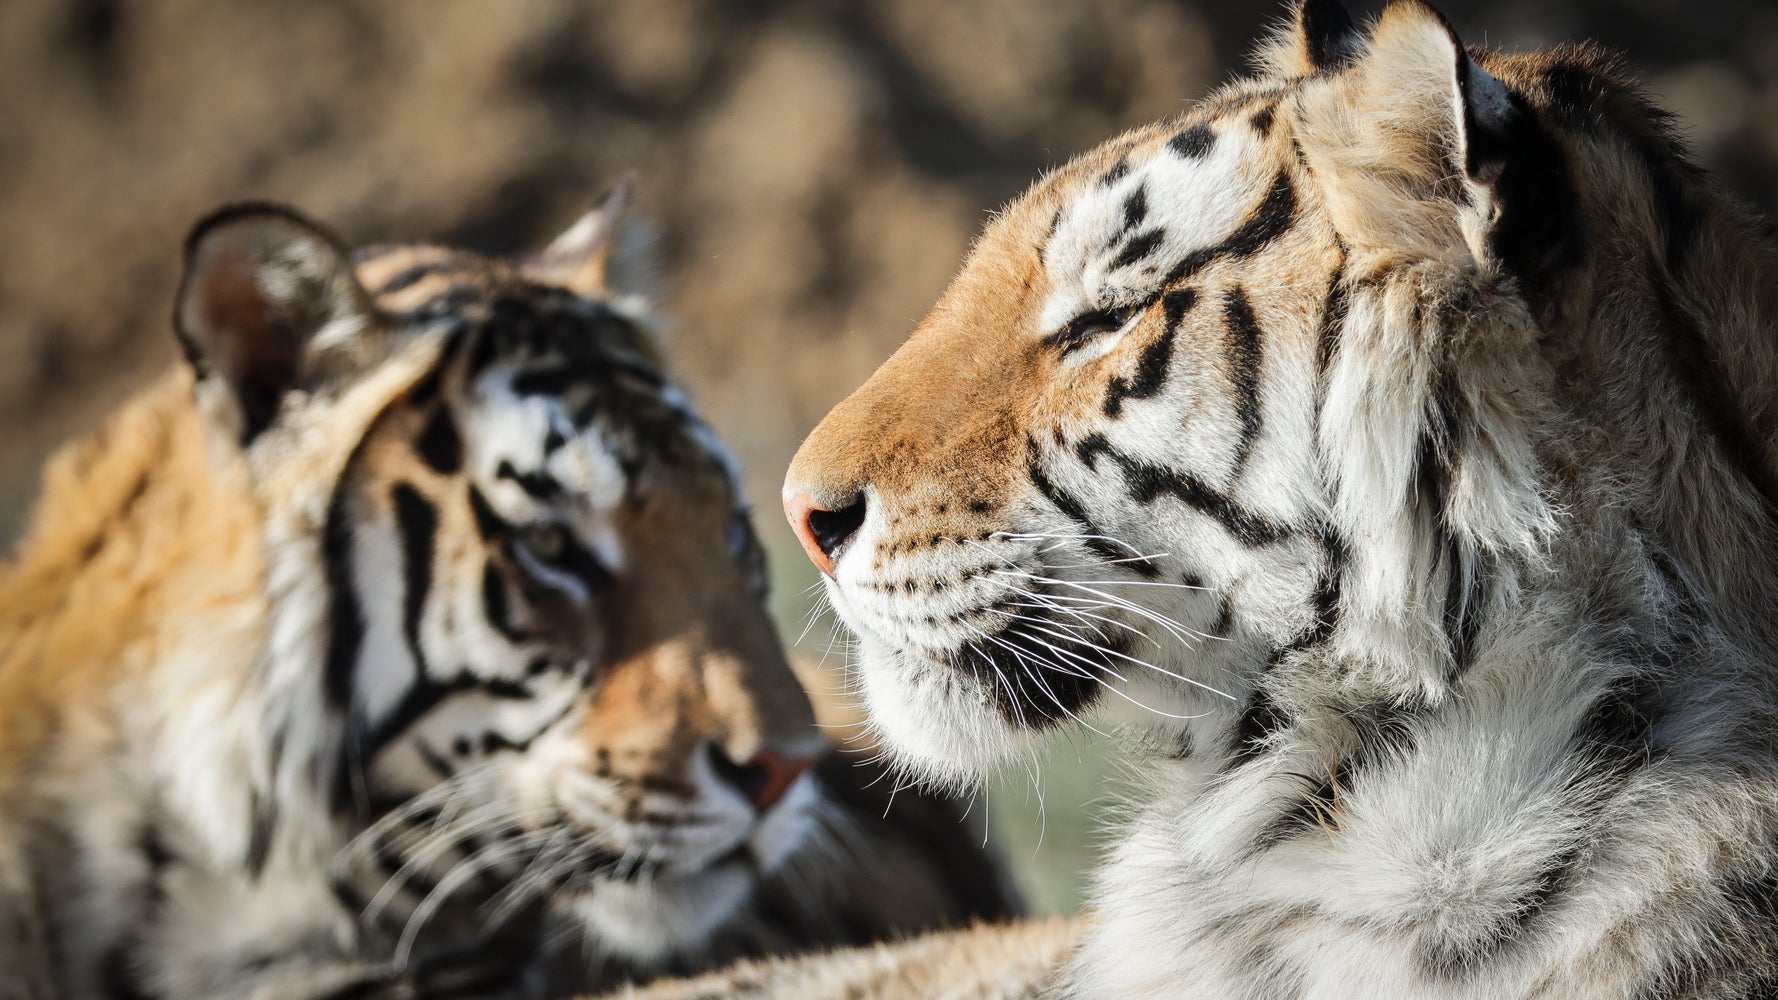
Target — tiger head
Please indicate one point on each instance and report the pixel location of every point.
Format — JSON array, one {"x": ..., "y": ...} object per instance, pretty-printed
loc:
[
  {"x": 1266, "y": 390},
  {"x": 517, "y": 612}
]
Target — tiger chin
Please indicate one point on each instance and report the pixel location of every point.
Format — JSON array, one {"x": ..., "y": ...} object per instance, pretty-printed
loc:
[
  {"x": 415, "y": 623},
  {"x": 1386, "y": 447}
]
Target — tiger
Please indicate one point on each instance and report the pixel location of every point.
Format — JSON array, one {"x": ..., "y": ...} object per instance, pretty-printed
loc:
[
  {"x": 1384, "y": 452},
  {"x": 408, "y": 633}
]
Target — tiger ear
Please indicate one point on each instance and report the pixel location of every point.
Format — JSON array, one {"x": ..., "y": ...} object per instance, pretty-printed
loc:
[
  {"x": 1416, "y": 127},
  {"x": 265, "y": 293},
  {"x": 1443, "y": 93},
  {"x": 1320, "y": 37},
  {"x": 597, "y": 256}
]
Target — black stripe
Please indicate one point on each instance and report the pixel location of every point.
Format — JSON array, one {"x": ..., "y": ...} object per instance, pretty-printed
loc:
[
  {"x": 1096, "y": 541},
  {"x": 1540, "y": 232},
  {"x": 1242, "y": 348},
  {"x": 119, "y": 973},
  {"x": 1139, "y": 247},
  {"x": 492, "y": 741},
  {"x": 345, "y": 613},
  {"x": 1154, "y": 364},
  {"x": 1273, "y": 216},
  {"x": 1325, "y": 601},
  {"x": 417, "y": 522},
  {"x": 1110, "y": 177},
  {"x": 1327, "y": 32},
  {"x": 1225, "y": 617},
  {"x": 1193, "y": 143},
  {"x": 439, "y": 444},
  {"x": 262, "y": 825},
  {"x": 1259, "y": 722},
  {"x": 1467, "y": 576},
  {"x": 426, "y": 695},
  {"x": 1315, "y": 809},
  {"x": 1136, "y": 207},
  {"x": 1379, "y": 735},
  {"x": 1147, "y": 483},
  {"x": 547, "y": 381},
  {"x": 1263, "y": 118},
  {"x": 496, "y": 607},
  {"x": 540, "y": 485},
  {"x": 488, "y": 524}
]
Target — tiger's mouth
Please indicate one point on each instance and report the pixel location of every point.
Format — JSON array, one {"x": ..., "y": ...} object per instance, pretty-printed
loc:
[
  {"x": 648, "y": 904},
  {"x": 967, "y": 666}
]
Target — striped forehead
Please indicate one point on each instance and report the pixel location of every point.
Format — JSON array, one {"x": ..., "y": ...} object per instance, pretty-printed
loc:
[{"x": 1127, "y": 232}]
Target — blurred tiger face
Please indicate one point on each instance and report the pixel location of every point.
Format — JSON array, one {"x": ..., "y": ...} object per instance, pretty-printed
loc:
[{"x": 545, "y": 599}]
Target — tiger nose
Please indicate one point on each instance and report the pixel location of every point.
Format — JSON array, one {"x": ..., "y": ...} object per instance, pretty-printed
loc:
[
  {"x": 764, "y": 779},
  {"x": 821, "y": 530}
]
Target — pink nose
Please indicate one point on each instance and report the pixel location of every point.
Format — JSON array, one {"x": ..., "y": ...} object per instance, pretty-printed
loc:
[
  {"x": 781, "y": 772},
  {"x": 824, "y": 531},
  {"x": 765, "y": 777},
  {"x": 798, "y": 510}
]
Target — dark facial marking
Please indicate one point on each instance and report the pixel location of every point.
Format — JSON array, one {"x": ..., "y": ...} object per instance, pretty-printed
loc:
[
  {"x": 1097, "y": 541},
  {"x": 1138, "y": 248},
  {"x": 1242, "y": 349},
  {"x": 1263, "y": 118},
  {"x": 546, "y": 381},
  {"x": 1155, "y": 363},
  {"x": 346, "y": 622},
  {"x": 496, "y": 605},
  {"x": 417, "y": 522},
  {"x": 1146, "y": 483},
  {"x": 1136, "y": 208},
  {"x": 539, "y": 485},
  {"x": 1273, "y": 216},
  {"x": 1193, "y": 143},
  {"x": 488, "y": 524},
  {"x": 1117, "y": 171},
  {"x": 439, "y": 445}
]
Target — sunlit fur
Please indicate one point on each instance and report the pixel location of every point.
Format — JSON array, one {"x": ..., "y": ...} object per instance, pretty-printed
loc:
[
  {"x": 385, "y": 679},
  {"x": 986, "y": 962},
  {"x": 1387, "y": 446}
]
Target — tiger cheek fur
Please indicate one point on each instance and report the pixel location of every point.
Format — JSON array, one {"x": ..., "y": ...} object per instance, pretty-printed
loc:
[{"x": 1024, "y": 517}]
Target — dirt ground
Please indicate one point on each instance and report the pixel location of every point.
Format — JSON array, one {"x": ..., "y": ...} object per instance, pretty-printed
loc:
[{"x": 814, "y": 170}]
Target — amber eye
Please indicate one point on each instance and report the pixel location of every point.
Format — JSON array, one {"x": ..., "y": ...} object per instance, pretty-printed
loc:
[
  {"x": 1088, "y": 326},
  {"x": 548, "y": 543}
]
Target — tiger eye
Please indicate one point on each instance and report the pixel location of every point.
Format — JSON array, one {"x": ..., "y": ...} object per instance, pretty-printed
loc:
[{"x": 548, "y": 542}]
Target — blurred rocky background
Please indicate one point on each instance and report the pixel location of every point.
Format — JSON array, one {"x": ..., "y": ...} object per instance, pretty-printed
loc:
[{"x": 814, "y": 171}]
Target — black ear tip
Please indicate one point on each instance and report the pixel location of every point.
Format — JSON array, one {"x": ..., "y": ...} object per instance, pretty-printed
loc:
[
  {"x": 1325, "y": 17},
  {"x": 1327, "y": 30}
]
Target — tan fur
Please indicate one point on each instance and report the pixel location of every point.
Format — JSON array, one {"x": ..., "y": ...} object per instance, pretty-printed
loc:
[{"x": 987, "y": 962}]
